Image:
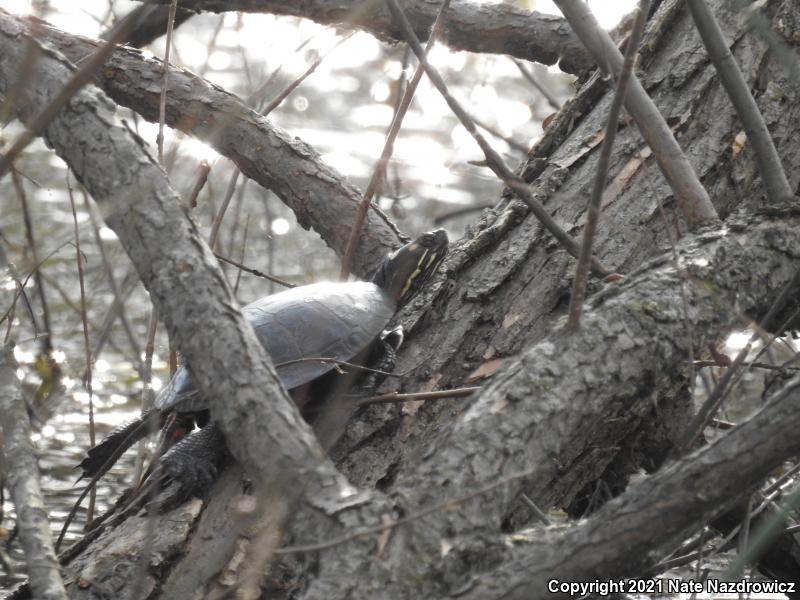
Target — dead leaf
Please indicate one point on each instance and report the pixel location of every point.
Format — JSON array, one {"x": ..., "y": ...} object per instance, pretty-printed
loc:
[
  {"x": 588, "y": 144},
  {"x": 626, "y": 173},
  {"x": 383, "y": 536},
  {"x": 487, "y": 369},
  {"x": 738, "y": 143}
]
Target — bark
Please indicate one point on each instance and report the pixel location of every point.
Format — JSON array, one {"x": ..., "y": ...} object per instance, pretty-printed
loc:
[
  {"x": 561, "y": 409},
  {"x": 489, "y": 28},
  {"x": 618, "y": 539}
]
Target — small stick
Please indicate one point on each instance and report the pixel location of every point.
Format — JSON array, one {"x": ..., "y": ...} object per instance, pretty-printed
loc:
[
  {"x": 277, "y": 100},
  {"x": 112, "y": 281},
  {"x": 87, "y": 378},
  {"x": 255, "y": 272},
  {"x": 593, "y": 210},
  {"x": 755, "y": 364},
  {"x": 378, "y": 173},
  {"x": 162, "y": 103},
  {"x": 47, "y": 340},
  {"x": 413, "y": 516},
  {"x": 437, "y": 395},
  {"x": 551, "y": 100},
  {"x": 242, "y": 253},
  {"x": 21, "y": 286},
  {"x": 714, "y": 400},
  {"x": 337, "y": 363}
]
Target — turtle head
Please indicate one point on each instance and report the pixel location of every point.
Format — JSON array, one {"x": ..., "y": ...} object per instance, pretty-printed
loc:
[{"x": 405, "y": 271}]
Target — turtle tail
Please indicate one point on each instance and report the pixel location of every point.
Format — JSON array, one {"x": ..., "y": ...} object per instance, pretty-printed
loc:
[{"x": 102, "y": 457}]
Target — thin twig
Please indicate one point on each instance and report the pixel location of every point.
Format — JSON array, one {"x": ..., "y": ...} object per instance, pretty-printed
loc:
[
  {"x": 493, "y": 159},
  {"x": 536, "y": 510},
  {"x": 767, "y": 158},
  {"x": 266, "y": 111},
  {"x": 242, "y": 254},
  {"x": 146, "y": 399},
  {"x": 255, "y": 272},
  {"x": 496, "y": 133},
  {"x": 112, "y": 281},
  {"x": 753, "y": 364},
  {"x": 21, "y": 287},
  {"x": 278, "y": 100},
  {"x": 47, "y": 340},
  {"x": 162, "y": 112},
  {"x": 393, "y": 397},
  {"x": 226, "y": 200},
  {"x": 770, "y": 530},
  {"x": 551, "y": 100},
  {"x": 201, "y": 177},
  {"x": 87, "y": 377},
  {"x": 379, "y": 172},
  {"x": 603, "y": 161},
  {"x": 129, "y": 283},
  {"x": 162, "y": 102},
  {"x": 336, "y": 363}
]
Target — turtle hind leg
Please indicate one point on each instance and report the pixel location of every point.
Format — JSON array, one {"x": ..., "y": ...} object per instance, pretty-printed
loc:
[
  {"x": 341, "y": 399},
  {"x": 188, "y": 469}
]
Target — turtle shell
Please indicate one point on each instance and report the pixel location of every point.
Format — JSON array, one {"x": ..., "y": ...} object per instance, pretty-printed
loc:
[{"x": 321, "y": 320}]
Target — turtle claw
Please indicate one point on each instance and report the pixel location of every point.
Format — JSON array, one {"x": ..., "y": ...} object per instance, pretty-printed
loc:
[{"x": 188, "y": 469}]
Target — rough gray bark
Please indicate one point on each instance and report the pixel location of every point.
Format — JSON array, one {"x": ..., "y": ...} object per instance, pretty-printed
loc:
[
  {"x": 561, "y": 408},
  {"x": 317, "y": 194},
  {"x": 17, "y": 457},
  {"x": 490, "y": 28},
  {"x": 667, "y": 507}
]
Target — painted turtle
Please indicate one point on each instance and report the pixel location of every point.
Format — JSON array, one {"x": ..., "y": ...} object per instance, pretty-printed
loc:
[{"x": 339, "y": 321}]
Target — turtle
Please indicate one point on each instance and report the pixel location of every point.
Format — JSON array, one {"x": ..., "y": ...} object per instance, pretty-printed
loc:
[{"x": 342, "y": 321}]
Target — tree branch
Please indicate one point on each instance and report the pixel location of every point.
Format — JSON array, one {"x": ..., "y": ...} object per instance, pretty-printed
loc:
[{"x": 490, "y": 28}]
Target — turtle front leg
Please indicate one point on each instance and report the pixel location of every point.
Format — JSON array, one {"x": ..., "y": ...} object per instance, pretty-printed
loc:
[
  {"x": 340, "y": 403},
  {"x": 382, "y": 358}
]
